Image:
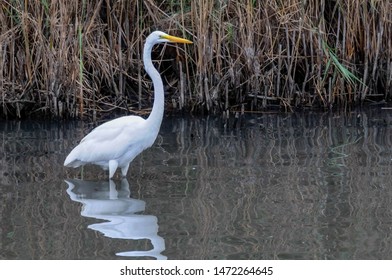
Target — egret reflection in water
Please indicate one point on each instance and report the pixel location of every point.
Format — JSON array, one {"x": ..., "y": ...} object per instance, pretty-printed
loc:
[{"x": 103, "y": 200}]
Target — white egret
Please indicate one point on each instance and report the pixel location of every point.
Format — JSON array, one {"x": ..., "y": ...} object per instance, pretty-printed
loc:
[{"x": 114, "y": 144}]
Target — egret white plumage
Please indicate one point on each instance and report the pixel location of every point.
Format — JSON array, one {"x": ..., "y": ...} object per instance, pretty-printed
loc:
[{"x": 114, "y": 144}]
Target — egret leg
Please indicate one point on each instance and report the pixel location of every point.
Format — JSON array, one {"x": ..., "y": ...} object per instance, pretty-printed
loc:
[
  {"x": 113, "y": 193},
  {"x": 124, "y": 170},
  {"x": 112, "y": 167}
]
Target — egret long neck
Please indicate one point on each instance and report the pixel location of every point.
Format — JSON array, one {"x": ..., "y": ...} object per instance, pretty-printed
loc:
[{"x": 155, "y": 118}]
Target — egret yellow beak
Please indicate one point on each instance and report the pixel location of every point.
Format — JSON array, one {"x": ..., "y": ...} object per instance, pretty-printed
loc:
[{"x": 175, "y": 39}]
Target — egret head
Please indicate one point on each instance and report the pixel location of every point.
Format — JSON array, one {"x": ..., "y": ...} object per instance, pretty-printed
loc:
[{"x": 157, "y": 37}]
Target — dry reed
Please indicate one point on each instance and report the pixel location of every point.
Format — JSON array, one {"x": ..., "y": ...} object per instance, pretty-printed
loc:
[{"x": 76, "y": 58}]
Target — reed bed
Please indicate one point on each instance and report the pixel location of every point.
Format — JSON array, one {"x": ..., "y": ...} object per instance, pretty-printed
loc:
[{"x": 83, "y": 58}]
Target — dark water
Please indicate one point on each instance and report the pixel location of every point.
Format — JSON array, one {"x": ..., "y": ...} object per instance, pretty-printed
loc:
[{"x": 271, "y": 186}]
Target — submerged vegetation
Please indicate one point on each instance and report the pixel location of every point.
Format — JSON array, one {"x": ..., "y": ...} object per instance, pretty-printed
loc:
[{"x": 83, "y": 58}]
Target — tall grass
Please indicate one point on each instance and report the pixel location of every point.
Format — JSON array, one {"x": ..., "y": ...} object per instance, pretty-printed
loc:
[{"x": 74, "y": 58}]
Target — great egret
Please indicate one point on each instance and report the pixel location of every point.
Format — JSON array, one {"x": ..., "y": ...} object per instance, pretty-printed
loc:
[{"x": 117, "y": 142}]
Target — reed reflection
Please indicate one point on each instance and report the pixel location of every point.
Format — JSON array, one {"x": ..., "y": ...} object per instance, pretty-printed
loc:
[{"x": 103, "y": 200}]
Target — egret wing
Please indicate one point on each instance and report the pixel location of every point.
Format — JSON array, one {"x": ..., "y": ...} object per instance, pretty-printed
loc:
[{"x": 108, "y": 141}]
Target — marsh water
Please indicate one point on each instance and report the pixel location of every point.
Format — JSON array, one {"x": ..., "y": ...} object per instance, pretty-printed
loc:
[{"x": 267, "y": 186}]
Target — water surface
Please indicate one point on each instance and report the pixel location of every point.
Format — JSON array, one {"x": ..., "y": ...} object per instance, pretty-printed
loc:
[{"x": 270, "y": 186}]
